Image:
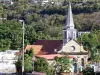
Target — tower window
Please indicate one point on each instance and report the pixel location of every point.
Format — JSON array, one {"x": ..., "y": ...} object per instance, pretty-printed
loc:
[{"x": 65, "y": 37}]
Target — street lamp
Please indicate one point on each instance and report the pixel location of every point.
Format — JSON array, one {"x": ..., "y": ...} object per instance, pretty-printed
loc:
[
  {"x": 23, "y": 46},
  {"x": 3, "y": 19}
]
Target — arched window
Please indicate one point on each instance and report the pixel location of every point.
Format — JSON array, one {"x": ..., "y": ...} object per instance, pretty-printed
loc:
[
  {"x": 82, "y": 62},
  {"x": 75, "y": 65}
]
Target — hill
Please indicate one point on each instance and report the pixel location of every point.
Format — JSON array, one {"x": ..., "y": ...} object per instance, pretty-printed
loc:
[{"x": 43, "y": 22}]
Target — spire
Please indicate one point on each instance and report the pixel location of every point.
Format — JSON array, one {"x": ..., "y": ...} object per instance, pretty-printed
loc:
[{"x": 70, "y": 23}]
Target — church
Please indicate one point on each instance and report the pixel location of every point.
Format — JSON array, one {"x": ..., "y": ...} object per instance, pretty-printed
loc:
[{"x": 69, "y": 45}]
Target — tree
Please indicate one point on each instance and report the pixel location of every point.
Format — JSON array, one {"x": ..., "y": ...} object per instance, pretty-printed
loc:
[
  {"x": 30, "y": 34},
  {"x": 30, "y": 52},
  {"x": 18, "y": 65},
  {"x": 10, "y": 32},
  {"x": 45, "y": 22},
  {"x": 64, "y": 3},
  {"x": 28, "y": 60},
  {"x": 5, "y": 44},
  {"x": 28, "y": 18},
  {"x": 41, "y": 65},
  {"x": 64, "y": 63},
  {"x": 88, "y": 71},
  {"x": 88, "y": 40},
  {"x": 91, "y": 43},
  {"x": 1, "y": 13},
  {"x": 28, "y": 63}
]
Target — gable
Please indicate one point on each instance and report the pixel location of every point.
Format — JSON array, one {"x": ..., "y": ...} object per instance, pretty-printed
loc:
[
  {"x": 73, "y": 46},
  {"x": 72, "y": 42}
]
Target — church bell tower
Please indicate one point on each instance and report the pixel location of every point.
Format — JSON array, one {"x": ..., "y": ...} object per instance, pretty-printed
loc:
[{"x": 69, "y": 31}]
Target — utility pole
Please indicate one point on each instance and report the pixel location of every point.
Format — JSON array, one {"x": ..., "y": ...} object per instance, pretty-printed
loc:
[
  {"x": 33, "y": 60},
  {"x": 23, "y": 45}
]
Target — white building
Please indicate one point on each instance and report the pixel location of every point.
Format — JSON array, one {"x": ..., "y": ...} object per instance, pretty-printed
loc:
[
  {"x": 43, "y": 2},
  {"x": 7, "y": 61},
  {"x": 81, "y": 32},
  {"x": 10, "y": 2}
]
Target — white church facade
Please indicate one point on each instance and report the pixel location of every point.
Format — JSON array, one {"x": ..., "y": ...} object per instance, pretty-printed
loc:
[{"x": 70, "y": 44}]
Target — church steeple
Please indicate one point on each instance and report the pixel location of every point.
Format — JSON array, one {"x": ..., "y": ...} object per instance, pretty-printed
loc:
[
  {"x": 69, "y": 31},
  {"x": 69, "y": 21}
]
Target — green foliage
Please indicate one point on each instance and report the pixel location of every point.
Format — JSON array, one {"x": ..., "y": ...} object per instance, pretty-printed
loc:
[
  {"x": 28, "y": 60},
  {"x": 91, "y": 43},
  {"x": 50, "y": 71},
  {"x": 97, "y": 58},
  {"x": 41, "y": 65},
  {"x": 10, "y": 35},
  {"x": 64, "y": 62},
  {"x": 44, "y": 22},
  {"x": 18, "y": 65},
  {"x": 89, "y": 40},
  {"x": 28, "y": 63},
  {"x": 30, "y": 34},
  {"x": 4, "y": 44},
  {"x": 30, "y": 52},
  {"x": 1, "y": 10},
  {"x": 28, "y": 18},
  {"x": 88, "y": 71}
]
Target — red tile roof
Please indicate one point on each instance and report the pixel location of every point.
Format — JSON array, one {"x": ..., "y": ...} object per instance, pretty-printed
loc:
[
  {"x": 36, "y": 48},
  {"x": 38, "y": 73},
  {"x": 44, "y": 47},
  {"x": 52, "y": 56}
]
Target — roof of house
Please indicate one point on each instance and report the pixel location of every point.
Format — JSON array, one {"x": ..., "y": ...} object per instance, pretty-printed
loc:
[
  {"x": 52, "y": 56},
  {"x": 48, "y": 46},
  {"x": 36, "y": 48},
  {"x": 38, "y": 73},
  {"x": 43, "y": 47}
]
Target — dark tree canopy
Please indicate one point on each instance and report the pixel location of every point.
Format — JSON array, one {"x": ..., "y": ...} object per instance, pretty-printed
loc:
[{"x": 44, "y": 22}]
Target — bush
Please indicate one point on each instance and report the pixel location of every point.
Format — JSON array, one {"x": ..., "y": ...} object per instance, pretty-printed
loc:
[
  {"x": 41, "y": 65},
  {"x": 28, "y": 63},
  {"x": 88, "y": 71},
  {"x": 18, "y": 65}
]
